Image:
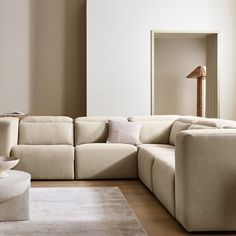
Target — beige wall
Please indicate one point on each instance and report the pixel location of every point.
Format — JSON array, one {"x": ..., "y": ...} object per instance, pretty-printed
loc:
[
  {"x": 118, "y": 49},
  {"x": 42, "y": 53},
  {"x": 174, "y": 60},
  {"x": 14, "y": 56},
  {"x": 44, "y": 57}
]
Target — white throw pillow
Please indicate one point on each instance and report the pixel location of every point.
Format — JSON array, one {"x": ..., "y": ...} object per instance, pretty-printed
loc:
[{"x": 123, "y": 132}]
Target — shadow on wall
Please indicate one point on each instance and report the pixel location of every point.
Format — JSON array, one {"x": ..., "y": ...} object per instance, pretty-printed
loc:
[{"x": 58, "y": 57}]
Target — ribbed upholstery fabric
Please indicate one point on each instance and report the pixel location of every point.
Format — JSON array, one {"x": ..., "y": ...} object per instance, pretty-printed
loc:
[
  {"x": 45, "y": 161},
  {"x": 153, "y": 118},
  {"x": 106, "y": 161},
  {"x": 156, "y": 169},
  {"x": 91, "y": 132},
  {"x": 177, "y": 127},
  {"x": 154, "y": 129},
  {"x": 163, "y": 177},
  {"x": 98, "y": 118},
  {"x": 8, "y": 134},
  {"x": 181, "y": 124},
  {"x": 93, "y": 129},
  {"x": 205, "y": 180},
  {"x": 146, "y": 157},
  {"x": 46, "y": 130},
  {"x": 195, "y": 180},
  {"x": 46, "y": 147},
  {"x": 47, "y": 119}
]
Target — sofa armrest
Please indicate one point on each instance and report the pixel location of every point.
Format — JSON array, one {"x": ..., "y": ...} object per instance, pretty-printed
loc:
[
  {"x": 205, "y": 180},
  {"x": 8, "y": 134}
]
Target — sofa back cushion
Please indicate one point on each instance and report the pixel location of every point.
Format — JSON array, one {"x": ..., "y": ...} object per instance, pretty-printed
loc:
[
  {"x": 181, "y": 124},
  {"x": 199, "y": 126},
  {"x": 46, "y": 130},
  {"x": 210, "y": 122},
  {"x": 155, "y": 129},
  {"x": 228, "y": 124},
  {"x": 193, "y": 122},
  {"x": 92, "y": 129}
]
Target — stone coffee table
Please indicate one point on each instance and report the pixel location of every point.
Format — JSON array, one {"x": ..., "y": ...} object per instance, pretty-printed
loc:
[{"x": 14, "y": 196}]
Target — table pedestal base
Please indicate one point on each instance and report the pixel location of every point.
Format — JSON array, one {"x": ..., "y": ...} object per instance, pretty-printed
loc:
[{"x": 16, "y": 208}]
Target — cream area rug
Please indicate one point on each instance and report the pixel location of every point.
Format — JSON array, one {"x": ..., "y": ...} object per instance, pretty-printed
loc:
[{"x": 85, "y": 211}]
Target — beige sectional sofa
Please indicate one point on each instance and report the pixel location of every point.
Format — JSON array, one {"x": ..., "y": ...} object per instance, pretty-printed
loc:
[{"x": 188, "y": 163}]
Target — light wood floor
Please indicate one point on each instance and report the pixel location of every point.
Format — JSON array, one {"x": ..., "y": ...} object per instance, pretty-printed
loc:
[{"x": 153, "y": 216}]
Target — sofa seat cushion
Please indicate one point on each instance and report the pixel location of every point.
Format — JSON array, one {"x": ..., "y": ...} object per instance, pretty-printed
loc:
[
  {"x": 105, "y": 161},
  {"x": 146, "y": 157},
  {"x": 45, "y": 161},
  {"x": 163, "y": 178}
]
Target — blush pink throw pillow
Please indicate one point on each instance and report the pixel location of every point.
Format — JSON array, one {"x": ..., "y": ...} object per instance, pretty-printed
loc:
[{"x": 123, "y": 132}]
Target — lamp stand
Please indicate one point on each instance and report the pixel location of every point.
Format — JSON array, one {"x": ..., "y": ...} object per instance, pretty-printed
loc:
[{"x": 201, "y": 96}]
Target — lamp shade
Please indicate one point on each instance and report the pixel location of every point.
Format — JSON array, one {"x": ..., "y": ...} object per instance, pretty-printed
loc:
[{"x": 199, "y": 72}]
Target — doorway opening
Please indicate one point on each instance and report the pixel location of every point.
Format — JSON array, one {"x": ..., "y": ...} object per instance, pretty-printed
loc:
[{"x": 174, "y": 56}]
